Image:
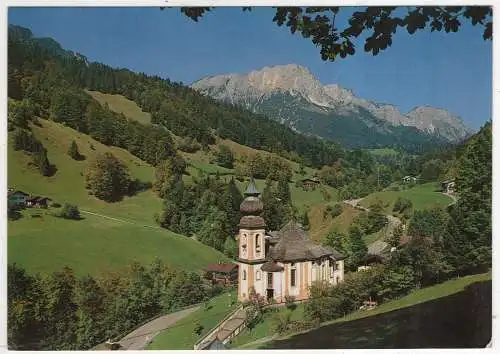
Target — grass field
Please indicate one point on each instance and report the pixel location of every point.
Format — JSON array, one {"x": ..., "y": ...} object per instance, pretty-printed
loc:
[
  {"x": 416, "y": 320},
  {"x": 182, "y": 336},
  {"x": 47, "y": 243},
  {"x": 121, "y": 104},
  {"x": 422, "y": 196},
  {"x": 383, "y": 152},
  {"x": 262, "y": 329},
  {"x": 42, "y": 244},
  {"x": 320, "y": 226}
]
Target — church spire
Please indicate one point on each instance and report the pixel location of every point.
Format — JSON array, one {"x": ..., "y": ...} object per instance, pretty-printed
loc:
[{"x": 252, "y": 190}]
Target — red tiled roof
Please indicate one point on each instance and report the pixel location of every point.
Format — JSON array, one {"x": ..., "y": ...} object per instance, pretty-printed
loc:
[{"x": 221, "y": 268}]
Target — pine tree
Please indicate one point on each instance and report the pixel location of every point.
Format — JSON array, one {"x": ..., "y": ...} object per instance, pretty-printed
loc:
[
  {"x": 42, "y": 161},
  {"x": 73, "y": 151},
  {"x": 283, "y": 189},
  {"x": 230, "y": 247},
  {"x": 337, "y": 241},
  {"x": 304, "y": 220},
  {"x": 357, "y": 249}
]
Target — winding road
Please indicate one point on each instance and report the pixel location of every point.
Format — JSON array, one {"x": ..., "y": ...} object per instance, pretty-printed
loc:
[
  {"x": 392, "y": 224},
  {"x": 377, "y": 246},
  {"x": 141, "y": 337}
]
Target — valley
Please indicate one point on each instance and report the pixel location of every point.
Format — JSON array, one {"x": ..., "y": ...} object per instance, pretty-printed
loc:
[{"x": 144, "y": 213}]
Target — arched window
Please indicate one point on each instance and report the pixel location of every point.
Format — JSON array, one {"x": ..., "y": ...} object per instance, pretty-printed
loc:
[
  {"x": 293, "y": 274},
  {"x": 257, "y": 243},
  {"x": 257, "y": 275},
  {"x": 244, "y": 275}
]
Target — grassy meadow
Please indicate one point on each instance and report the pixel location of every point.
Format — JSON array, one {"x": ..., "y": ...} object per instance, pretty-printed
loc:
[
  {"x": 47, "y": 243},
  {"x": 182, "y": 336},
  {"x": 422, "y": 196}
]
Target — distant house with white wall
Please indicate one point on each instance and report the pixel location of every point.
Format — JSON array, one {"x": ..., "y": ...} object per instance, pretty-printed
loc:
[
  {"x": 409, "y": 179},
  {"x": 448, "y": 186},
  {"x": 282, "y": 263}
]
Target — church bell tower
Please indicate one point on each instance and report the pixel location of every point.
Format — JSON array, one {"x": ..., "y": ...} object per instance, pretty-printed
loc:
[{"x": 251, "y": 242}]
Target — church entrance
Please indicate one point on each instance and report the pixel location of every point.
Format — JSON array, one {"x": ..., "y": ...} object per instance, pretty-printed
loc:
[{"x": 270, "y": 293}]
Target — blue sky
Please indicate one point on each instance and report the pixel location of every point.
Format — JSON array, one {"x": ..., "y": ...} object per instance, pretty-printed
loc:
[{"x": 450, "y": 71}]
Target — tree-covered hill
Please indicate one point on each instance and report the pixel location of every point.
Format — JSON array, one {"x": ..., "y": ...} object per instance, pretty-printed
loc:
[{"x": 39, "y": 72}]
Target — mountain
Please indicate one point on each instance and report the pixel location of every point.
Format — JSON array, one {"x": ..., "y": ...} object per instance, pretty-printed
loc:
[{"x": 291, "y": 95}]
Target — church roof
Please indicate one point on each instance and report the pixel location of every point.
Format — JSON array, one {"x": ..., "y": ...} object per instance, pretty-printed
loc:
[
  {"x": 251, "y": 205},
  {"x": 271, "y": 266},
  {"x": 294, "y": 245},
  {"x": 252, "y": 188},
  {"x": 252, "y": 221}
]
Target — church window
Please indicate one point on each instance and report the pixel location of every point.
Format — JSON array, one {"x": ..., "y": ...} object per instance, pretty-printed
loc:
[
  {"x": 257, "y": 275},
  {"x": 292, "y": 277},
  {"x": 244, "y": 275},
  {"x": 257, "y": 243}
]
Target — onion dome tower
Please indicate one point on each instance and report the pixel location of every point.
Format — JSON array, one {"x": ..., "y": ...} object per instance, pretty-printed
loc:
[
  {"x": 251, "y": 208},
  {"x": 251, "y": 241}
]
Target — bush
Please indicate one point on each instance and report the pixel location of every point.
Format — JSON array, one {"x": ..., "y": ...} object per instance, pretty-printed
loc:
[
  {"x": 336, "y": 210},
  {"x": 198, "y": 328},
  {"x": 189, "y": 145},
  {"x": 290, "y": 303},
  {"x": 402, "y": 204},
  {"x": 280, "y": 322},
  {"x": 70, "y": 212},
  {"x": 55, "y": 205}
]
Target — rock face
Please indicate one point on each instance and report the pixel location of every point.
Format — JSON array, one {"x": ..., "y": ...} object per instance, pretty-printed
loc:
[{"x": 293, "y": 96}]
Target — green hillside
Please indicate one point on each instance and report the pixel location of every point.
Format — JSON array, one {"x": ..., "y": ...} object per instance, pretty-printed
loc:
[
  {"x": 422, "y": 197},
  {"x": 42, "y": 244},
  {"x": 89, "y": 246},
  {"x": 120, "y": 104}
]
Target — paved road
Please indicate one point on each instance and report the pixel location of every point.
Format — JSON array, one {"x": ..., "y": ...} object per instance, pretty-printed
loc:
[
  {"x": 142, "y": 336},
  {"x": 452, "y": 197},
  {"x": 392, "y": 222}
]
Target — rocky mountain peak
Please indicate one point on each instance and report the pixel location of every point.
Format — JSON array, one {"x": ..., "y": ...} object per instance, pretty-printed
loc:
[{"x": 253, "y": 89}]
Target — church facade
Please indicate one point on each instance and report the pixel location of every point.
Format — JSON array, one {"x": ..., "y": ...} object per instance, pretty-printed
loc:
[{"x": 279, "y": 264}]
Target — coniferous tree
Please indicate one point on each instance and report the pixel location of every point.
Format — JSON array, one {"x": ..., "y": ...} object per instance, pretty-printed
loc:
[
  {"x": 357, "y": 249},
  {"x": 225, "y": 157},
  {"x": 41, "y": 160},
  {"x": 230, "y": 247},
  {"x": 283, "y": 189},
  {"x": 73, "y": 151},
  {"x": 337, "y": 241}
]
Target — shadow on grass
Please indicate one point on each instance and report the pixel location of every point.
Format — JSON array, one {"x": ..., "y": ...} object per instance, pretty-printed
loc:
[{"x": 461, "y": 320}]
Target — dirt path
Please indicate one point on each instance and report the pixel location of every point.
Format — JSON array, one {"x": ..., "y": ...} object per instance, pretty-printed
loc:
[
  {"x": 119, "y": 220},
  {"x": 142, "y": 336}
]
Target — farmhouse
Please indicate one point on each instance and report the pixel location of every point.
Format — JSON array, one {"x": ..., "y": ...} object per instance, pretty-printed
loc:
[
  {"x": 409, "y": 179},
  {"x": 223, "y": 273},
  {"x": 38, "y": 202},
  {"x": 16, "y": 198},
  {"x": 283, "y": 263},
  {"x": 310, "y": 183},
  {"x": 448, "y": 186}
]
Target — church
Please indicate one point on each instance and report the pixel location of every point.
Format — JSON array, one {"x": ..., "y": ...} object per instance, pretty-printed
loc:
[{"x": 280, "y": 264}]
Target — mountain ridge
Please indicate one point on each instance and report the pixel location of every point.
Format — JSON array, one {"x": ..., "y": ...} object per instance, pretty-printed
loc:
[{"x": 251, "y": 89}]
